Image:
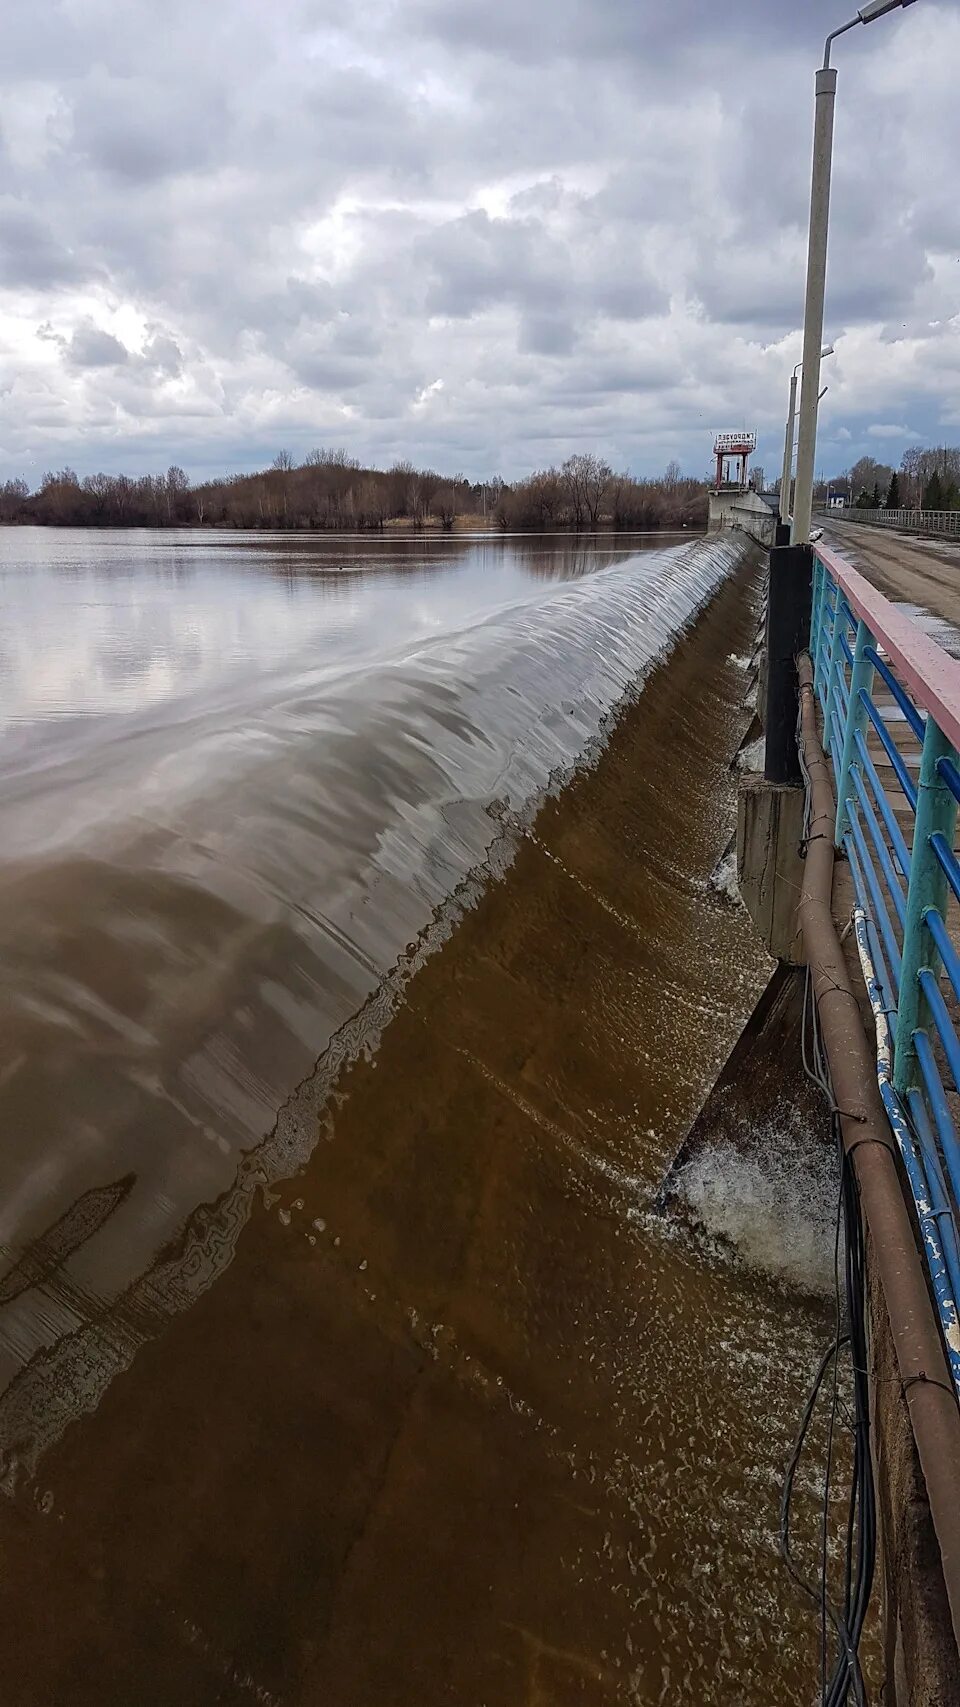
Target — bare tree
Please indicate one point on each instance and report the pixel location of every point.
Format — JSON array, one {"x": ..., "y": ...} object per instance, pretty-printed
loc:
[
  {"x": 868, "y": 475},
  {"x": 597, "y": 478},
  {"x": 445, "y": 506},
  {"x": 400, "y": 483},
  {"x": 100, "y": 488},
  {"x": 574, "y": 475},
  {"x": 422, "y": 489},
  {"x": 13, "y": 496},
  {"x": 176, "y": 487}
]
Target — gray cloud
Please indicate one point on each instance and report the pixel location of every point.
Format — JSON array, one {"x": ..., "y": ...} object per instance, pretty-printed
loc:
[
  {"x": 88, "y": 346},
  {"x": 163, "y": 355},
  {"x": 277, "y": 225},
  {"x": 476, "y": 261},
  {"x": 30, "y": 255},
  {"x": 547, "y": 335},
  {"x": 544, "y": 30},
  {"x": 132, "y": 129}
]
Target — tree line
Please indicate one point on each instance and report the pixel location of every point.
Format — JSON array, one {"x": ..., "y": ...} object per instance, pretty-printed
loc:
[
  {"x": 331, "y": 490},
  {"x": 585, "y": 493},
  {"x": 925, "y": 480}
]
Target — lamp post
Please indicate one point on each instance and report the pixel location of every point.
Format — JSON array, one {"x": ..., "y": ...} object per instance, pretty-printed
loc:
[
  {"x": 788, "y": 438},
  {"x": 826, "y": 89}
]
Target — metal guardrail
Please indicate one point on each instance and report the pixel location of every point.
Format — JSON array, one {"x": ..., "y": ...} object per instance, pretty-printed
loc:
[
  {"x": 910, "y": 521},
  {"x": 890, "y": 698}
]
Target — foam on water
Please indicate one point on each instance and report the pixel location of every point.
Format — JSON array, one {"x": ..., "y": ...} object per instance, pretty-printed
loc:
[
  {"x": 771, "y": 1202},
  {"x": 750, "y": 757},
  {"x": 723, "y": 878}
]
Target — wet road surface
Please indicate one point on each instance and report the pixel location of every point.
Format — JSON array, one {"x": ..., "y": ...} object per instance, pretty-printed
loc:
[{"x": 919, "y": 572}]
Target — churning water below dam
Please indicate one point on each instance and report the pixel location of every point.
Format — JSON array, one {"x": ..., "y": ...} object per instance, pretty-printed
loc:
[{"x": 360, "y": 972}]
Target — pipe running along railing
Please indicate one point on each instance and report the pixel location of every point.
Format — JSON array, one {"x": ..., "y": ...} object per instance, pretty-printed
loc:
[{"x": 890, "y": 698}]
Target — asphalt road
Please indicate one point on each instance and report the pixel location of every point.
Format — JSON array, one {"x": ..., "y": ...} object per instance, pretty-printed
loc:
[{"x": 903, "y": 566}]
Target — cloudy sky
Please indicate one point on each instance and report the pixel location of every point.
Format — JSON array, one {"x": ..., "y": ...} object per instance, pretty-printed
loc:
[{"x": 479, "y": 233}]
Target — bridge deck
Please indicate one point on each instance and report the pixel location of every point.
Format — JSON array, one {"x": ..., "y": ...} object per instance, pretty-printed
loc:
[{"x": 921, "y": 573}]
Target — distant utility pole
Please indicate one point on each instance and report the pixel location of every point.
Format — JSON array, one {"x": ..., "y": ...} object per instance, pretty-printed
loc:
[
  {"x": 787, "y": 474},
  {"x": 826, "y": 90}
]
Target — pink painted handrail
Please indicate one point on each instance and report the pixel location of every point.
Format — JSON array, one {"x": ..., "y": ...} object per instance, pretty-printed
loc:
[{"x": 925, "y": 669}]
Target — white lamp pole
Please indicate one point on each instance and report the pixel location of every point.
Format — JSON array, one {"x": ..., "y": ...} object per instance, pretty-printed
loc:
[
  {"x": 826, "y": 89},
  {"x": 787, "y": 475}
]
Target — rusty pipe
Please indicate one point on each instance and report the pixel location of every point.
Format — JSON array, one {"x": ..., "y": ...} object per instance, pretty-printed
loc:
[{"x": 925, "y": 1379}]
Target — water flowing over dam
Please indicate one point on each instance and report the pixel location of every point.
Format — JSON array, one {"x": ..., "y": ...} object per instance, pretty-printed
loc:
[{"x": 360, "y": 972}]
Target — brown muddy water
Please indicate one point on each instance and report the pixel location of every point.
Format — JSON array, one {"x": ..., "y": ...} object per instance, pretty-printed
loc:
[{"x": 360, "y": 971}]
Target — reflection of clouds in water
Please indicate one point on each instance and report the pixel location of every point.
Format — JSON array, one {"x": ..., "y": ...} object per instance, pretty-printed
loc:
[
  {"x": 152, "y": 669},
  {"x": 108, "y": 625},
  {"x": 97, "y": 658}
]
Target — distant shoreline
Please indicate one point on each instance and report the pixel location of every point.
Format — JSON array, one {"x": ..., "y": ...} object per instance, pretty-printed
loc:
[
  {"x": 330, "y": 492},
  {"x": 401, "y": 527}
]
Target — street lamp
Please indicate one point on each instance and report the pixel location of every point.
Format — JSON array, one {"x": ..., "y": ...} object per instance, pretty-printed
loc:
[
  {"x": 826, "y": 90},
  {"x": 788, "y": 437}
]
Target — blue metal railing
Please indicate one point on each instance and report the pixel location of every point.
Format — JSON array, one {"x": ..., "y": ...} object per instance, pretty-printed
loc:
[{"x": 890, "y": 700}]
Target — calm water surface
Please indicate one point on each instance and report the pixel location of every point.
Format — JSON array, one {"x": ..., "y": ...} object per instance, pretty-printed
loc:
[{"x": 242, "y": 784}]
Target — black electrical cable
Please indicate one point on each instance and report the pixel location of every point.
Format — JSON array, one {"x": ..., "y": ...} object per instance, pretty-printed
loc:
[
  {"x": 834, "y": 1399},
  {"x": 859, "y": 1558},
  {"x": 846, "y": 1673},
  {"x": 786, "y": 1498},
  {"x": 865, "y": 1492}
]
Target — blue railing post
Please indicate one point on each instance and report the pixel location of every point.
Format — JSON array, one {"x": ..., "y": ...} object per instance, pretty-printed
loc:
[
  {"x": 839, "y": 618},
  {"x": 905, "y": 931},
  {"x": 816, "y": 613},
  {"x": 936, "y": 813},
  {"x": 860, "y": 681}
]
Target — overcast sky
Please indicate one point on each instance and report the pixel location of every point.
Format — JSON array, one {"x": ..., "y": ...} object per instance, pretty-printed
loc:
[{"x": 478, "y": 233}]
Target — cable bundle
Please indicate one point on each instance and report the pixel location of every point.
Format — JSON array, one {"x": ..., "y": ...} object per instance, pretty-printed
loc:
[{"x": 841, "y": 1626}]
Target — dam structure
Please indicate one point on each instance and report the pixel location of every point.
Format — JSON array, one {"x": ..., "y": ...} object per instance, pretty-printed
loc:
[
  {"x": 734, "y": 500},
  {"x": 441, "y": 1019},
  {"x": 364, "y": 967}
]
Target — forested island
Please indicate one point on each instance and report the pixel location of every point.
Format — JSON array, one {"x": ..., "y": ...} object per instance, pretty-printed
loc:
[{"x": 331, "y": 490}]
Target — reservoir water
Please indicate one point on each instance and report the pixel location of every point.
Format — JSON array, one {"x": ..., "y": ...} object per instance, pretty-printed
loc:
[{"x": 359, "y": 973}]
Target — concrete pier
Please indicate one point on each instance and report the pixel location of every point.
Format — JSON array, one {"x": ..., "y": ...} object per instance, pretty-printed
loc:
[
  {"x": 770, "y": 863},
  {"x": 739, "y": 507}
]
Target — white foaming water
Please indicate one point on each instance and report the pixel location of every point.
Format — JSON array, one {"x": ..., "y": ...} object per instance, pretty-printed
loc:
[
  {"x": 751, "y": 757},
  {"x": 723, "y": 878},
  {"x": 773, "y": 1203}
]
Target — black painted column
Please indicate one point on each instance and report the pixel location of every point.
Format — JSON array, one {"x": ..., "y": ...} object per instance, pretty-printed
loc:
[{"x": 788, "y": 632}]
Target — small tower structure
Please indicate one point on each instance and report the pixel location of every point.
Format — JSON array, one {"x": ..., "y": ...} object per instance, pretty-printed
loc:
[{"x": 732, "y": 451}]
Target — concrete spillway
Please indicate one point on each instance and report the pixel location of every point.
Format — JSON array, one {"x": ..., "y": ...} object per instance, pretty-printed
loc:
[{"x": 432, "y": 1407}]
